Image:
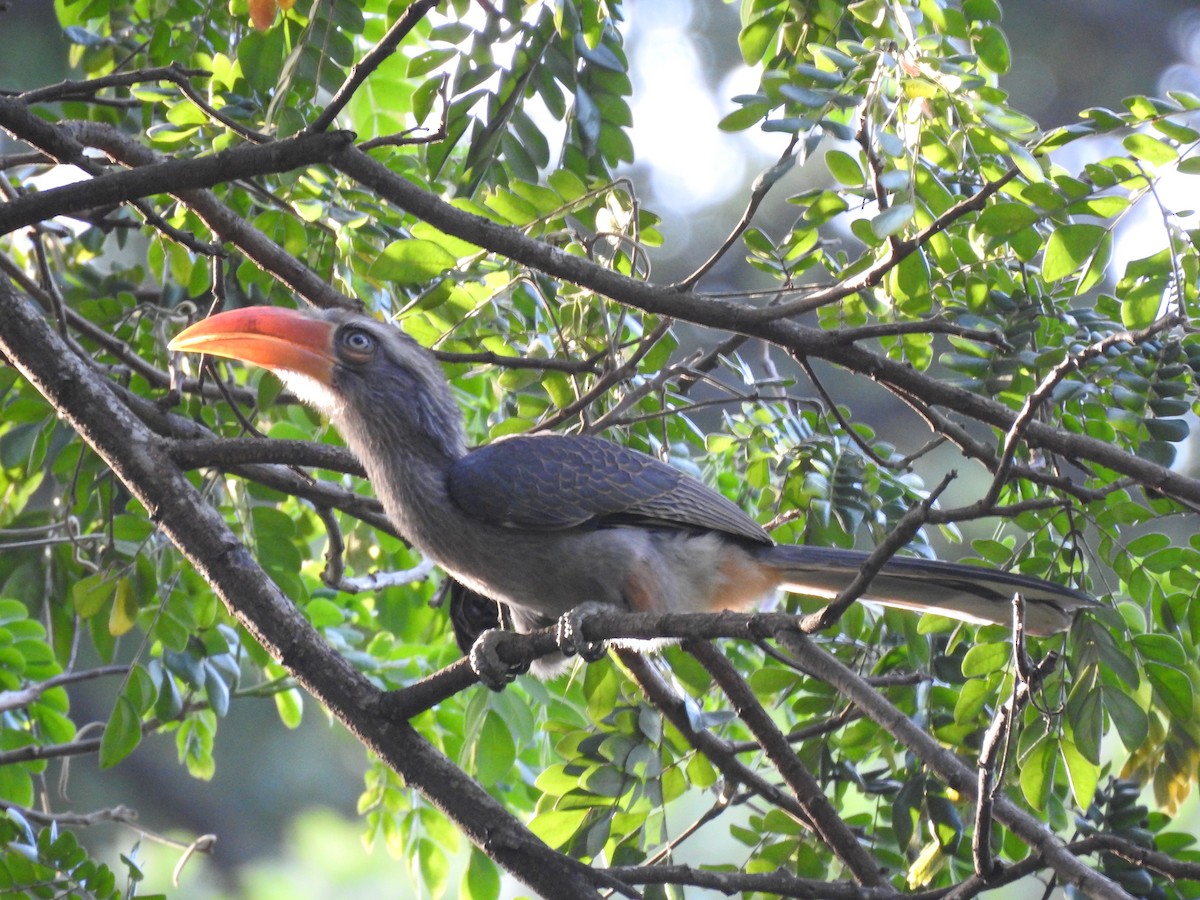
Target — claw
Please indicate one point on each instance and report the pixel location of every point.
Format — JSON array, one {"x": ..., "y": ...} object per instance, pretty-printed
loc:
[
  {"x": 487, "y": 663},
  {"x": 570, "y": 632}
]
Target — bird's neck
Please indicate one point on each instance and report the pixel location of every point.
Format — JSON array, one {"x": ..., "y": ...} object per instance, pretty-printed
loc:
[{"x": 408, "y": 469}]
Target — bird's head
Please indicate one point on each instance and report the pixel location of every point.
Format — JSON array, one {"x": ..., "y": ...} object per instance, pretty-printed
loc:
[{"x": 372, "y": 380}]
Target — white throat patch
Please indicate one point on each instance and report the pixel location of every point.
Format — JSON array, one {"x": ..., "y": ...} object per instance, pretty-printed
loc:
[{"x": 312, "y": 392}]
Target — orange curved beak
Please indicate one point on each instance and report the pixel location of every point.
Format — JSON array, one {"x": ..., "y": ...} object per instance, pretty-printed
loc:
[{"x": 282, "y": 340}]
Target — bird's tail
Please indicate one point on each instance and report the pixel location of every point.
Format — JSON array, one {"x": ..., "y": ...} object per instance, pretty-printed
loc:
[{"x": 969, "y": 593}]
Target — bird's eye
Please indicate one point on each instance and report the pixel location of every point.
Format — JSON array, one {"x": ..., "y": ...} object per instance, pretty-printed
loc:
[{"x": 357, "y": 344}]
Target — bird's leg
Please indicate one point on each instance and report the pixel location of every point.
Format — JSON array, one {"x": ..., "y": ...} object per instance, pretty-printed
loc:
[
  {"x": 570, "y": 632},
  {"x": 489, "y": 662}
]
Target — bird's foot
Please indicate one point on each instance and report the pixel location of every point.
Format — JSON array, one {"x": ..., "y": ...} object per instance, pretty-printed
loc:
[
  {"x": 570, "y": 632},
  {"x": 488, "y": 662}
]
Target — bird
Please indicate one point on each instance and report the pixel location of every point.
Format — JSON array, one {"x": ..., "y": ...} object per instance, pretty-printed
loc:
[{"x": 544, "y": 524}]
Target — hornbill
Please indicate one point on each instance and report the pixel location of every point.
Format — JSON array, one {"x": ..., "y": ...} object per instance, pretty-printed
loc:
[{"x": 545, "y": 523}]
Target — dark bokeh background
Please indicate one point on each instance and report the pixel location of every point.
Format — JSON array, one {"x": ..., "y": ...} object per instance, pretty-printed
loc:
[{"x": 1067, "y": 56}]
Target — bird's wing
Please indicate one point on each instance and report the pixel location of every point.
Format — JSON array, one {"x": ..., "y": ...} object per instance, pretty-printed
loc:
[{"x": 561, "y": 481}]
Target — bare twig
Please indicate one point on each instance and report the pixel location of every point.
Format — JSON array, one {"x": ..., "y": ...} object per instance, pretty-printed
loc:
[
  {"x": 415, "y": 12},
  {"x": 10, "y": 700},
  {"x": 910, "y": 523},
  {"x": 758, "y": 193},
  {"x": 334, "y": 573},
  {"x": 122, "y": 814},
  {"x": 833, "y": 831}
]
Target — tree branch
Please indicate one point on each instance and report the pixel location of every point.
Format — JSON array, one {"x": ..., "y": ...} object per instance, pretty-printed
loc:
[
  {"x": 171, "y": 176},
  {"x": 408, "y": 20},
  {"x": 953, "y": 771},
  {"x": 141, "y": 461},
  {"x": 832, "y": 830}
]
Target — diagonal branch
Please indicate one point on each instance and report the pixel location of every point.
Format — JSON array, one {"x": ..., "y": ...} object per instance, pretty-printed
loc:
[
  {"x": 828, "y": 824},
  {"x": 140, "y": 459},
  {"x": 369, "y": 63},
  {"x": 169, "y": 176},
  {"x": 952, "y": 770}
]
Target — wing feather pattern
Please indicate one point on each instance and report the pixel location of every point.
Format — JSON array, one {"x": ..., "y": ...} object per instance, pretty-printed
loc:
[{"x": 562, "y": 481}]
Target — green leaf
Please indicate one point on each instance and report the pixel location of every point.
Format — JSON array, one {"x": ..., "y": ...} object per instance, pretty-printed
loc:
[
  {"x": 759, "y": 35},
  {"x": 982, "y": 10},
  {"x": 892, "y": 219},
  {"x": 844, "y": 168},
  {"x": 983, "y": 659},
  {"x": 556, "y": 827},
  {"x": 1004, "y": 218},
  {"x": 1085, "y": 718},
  {"x": 971, "y": 700},
  {"x": 1069, "y": 248},
  {"x": 481, "y": 881},
  {"x": 1190, "y": 165},
  {"x": 1172, "y": 687},
  {"x": 194, "y": 742},
  {"x": 1037, "y": 772},
  {"x": 1172, "y": 431},
  {"x": 123, "y": 614},
  {"x": 290, "y": 706},
  {"x": 746, "y": 117},
  {"x": 1083, "y": 774},
  {"x": 434, "y": 867},
  {"x": 908, "y": 283},
  {"x": 122, "y": 733},
  {"x": 16, "y": 786},
  {"x": 324, "y": 613},
  {"x": 91, "y": 593},
  {"x": 169, "y": 702},
  {"x": 1131, "y": 721},
  {"x": 1150, "y": 149},
  {"x": 1163, "y": 648},
  {"x": 411, "y": 261},
  {"x": 495, "y": 752},
  {"x": 215, "y": 689},
  {"x": 992, "y": 48},
  {"x": 1027, "y": 164}
]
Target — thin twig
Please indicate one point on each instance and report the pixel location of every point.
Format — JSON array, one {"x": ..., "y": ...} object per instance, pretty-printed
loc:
[
  {"x": 910, "y": 523},
  {"x": 334, "y": 573},
  {"x": 369, "y": 63},
  {"x": 404, "y": 138},
  {"x": 899, "y": 251},
  {"x": 846, "y": 426},
  {"x": 996, "y": 739},
  {"x": 758, "y": 193},
  {"x": 505, "y": 361},
  {"x": 833, "y": 831},
  {"x": 10, "y": 700}
]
